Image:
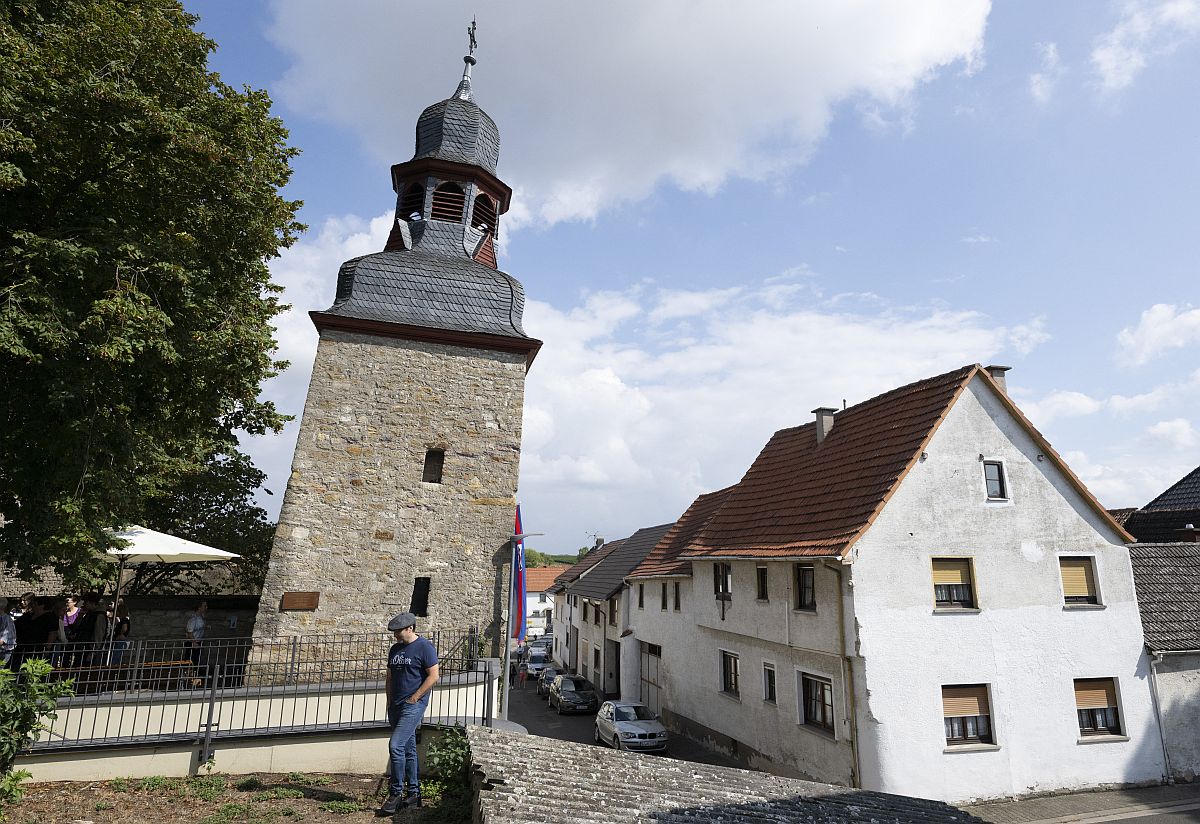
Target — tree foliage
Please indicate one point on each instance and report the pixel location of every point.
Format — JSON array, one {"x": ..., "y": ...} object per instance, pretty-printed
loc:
[
  {"x": 25, "y": 702},
  {"x": 139, "y": 202}
]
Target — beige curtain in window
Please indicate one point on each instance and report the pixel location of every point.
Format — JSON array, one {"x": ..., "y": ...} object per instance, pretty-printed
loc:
[
  {"x": 1094, "y": 694},
  {"x": 971, "y": 699}
]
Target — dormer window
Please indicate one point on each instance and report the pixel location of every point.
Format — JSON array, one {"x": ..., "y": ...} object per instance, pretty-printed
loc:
[
  {"x": 448, "y": 203},
  {"x": 483, "y": 215},
  {"x": 413, "y": 202}
]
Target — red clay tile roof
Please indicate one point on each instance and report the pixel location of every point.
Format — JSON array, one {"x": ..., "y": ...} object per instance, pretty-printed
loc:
[
  {"x": 539, "y": 579},
  {"x": 664, "y": 558},
  {"x": 801, "y": 499},
  {"x": 583, "y": 565}
]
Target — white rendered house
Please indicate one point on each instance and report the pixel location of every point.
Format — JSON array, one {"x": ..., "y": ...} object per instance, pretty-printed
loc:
[{"x": 912, "y": 595}]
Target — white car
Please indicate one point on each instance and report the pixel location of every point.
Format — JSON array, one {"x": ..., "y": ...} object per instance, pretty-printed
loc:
[{"x": 628, "y": 725}]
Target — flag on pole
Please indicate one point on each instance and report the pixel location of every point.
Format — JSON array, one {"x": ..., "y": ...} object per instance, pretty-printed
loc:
[{"x": 518, "y": 588}]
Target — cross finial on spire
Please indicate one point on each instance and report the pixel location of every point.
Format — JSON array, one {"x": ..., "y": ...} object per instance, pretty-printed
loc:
[{"x": 463, "y": 92}]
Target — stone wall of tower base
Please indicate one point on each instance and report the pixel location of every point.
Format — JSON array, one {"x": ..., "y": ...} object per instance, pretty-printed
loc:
[{"x": 359, "y": 525}]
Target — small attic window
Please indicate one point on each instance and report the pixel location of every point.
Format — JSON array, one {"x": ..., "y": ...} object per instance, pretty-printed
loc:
[
  {"x": 413, "y": 201},
  {"x": 448, "y": 203},
  {"x": 483, "y": 216},
  {"x": 434, "y": 460}
]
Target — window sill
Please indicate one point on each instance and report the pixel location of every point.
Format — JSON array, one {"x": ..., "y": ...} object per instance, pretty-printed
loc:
[
  {"x": 956, "y": 610},
  {"x": 732, "y": 696},
  {"x": 820, "y": 732},
  {"x": 952, "y": 748},
  {"x": 1102, "y": 739},
  {"x": 805, "y": 610},
  {"x": 1083, "y": 607}
]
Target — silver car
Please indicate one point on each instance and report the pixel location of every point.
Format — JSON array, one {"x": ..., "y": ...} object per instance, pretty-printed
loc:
[{"x": 628, "y": 725}]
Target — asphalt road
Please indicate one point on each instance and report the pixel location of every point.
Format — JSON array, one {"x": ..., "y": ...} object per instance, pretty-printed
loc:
[{"x": 534, "y": 714}]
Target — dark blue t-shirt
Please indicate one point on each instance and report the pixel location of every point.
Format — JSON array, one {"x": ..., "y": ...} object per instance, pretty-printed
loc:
[{"x": 409, "y": 664}]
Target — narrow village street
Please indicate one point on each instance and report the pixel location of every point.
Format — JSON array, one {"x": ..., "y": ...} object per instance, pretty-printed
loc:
[{"x": 533, "y": 713}]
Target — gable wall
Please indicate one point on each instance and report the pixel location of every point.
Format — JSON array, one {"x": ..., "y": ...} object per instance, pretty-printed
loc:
[{"x": 1022, "y": 642}]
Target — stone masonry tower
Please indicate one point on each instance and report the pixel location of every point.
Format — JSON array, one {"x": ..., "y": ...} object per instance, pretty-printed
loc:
[{"x": 403, "y": 484}]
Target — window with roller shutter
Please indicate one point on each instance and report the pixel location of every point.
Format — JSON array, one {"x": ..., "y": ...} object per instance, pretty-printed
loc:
[
  {"x": 967, "y": 714},
  {"x": 1079, "y": 581},
  {"x": 1096, "y": 706},
  {"x": 953, "y": 583}
]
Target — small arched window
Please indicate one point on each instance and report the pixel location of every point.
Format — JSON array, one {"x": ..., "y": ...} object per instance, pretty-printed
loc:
[
  {"x": 448, "y": 202},
  {"x": 483, "y": 216},
  {"x": 413, "y": 201}
]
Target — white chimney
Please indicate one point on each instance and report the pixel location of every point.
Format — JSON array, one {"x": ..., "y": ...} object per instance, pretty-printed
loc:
[
  {"x": 997, "y": 373},
  {"x": 824, "y": 421}
]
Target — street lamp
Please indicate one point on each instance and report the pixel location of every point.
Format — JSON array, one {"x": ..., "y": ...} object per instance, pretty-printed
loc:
[{"x": 512, "y": 568}]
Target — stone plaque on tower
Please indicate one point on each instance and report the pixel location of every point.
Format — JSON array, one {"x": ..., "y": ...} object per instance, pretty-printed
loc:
[{"x": 403, "y": 484}]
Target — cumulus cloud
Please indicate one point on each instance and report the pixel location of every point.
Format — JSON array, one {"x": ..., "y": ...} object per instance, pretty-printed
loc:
[
  {"x": 1161, "y": 327},
  {"x": 601, "y": 103},
  {"x": 1146, "y": 30},
  {"x": 1043, "y": 82},
  {"x": 1177, "y": 433}
]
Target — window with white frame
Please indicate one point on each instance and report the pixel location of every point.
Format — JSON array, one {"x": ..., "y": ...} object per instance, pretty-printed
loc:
[
  {"x": 760, "y": 580},
  {"x": 816, "y": 701},
  {"x": 994, "y": 480},
  {"x": 729, "y": 674},
  {"x": 1096, "y": 706},
  {"x": 768, "y": 682},
  {"x": 806, "y": 587},
  {"x": 723, "y": 581}
]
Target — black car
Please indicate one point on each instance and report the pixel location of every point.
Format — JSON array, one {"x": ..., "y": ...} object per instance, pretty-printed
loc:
[
  {"x": 546, "y": 678},
  {"x": 570, "y": 693}
]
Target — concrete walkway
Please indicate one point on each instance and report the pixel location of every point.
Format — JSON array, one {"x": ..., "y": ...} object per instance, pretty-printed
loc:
[{"x": 1095, "y": 807}]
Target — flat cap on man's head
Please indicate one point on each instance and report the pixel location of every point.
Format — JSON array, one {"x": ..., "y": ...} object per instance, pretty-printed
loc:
[{"x": 402, "y": 621}]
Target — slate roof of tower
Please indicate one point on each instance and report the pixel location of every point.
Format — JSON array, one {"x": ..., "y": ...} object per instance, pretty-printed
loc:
[
  {"x": 1184, "y": 494},
  {"x": 803, "y": 499},
  {"x": 529, "y": 778},
  {"x": 608, "y": 576},
  {"x": 582, "y": 565},
  {"x": 458, "y": 130},
  {"x": 1167, "y": 579},
  {"x": 664, "y": 558}
]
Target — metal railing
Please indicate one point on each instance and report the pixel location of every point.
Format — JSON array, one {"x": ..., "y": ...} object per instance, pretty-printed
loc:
[{"x": 158, "y": 691}]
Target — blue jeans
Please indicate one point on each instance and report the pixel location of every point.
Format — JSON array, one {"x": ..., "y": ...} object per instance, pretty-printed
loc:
[{"x": 406, "y": 720}]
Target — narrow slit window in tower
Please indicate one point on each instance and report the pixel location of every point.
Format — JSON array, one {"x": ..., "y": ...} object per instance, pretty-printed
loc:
[
  {"x": 420, "y": 599},
  {"x": 448, "y": 202},
  {"x": 434, "y": 460}
]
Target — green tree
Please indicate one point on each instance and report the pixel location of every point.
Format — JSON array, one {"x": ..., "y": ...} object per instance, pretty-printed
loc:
[
  {"x": 25, "y": 702},
  {"x": 139, "y": 202}
]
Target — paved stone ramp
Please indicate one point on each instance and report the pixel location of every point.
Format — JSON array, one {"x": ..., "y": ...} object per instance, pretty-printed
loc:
[{"x": 534, "y": 779}]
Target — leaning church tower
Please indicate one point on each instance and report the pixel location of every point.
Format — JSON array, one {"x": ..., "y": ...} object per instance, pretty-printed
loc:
[{"x": 404, "y": 478}]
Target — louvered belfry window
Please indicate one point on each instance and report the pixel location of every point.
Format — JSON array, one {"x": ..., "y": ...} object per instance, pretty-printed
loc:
[
  {"x": 413, "y": 201},
  {"x": 448, "y": 202},
  {"x": 1079, "y": 581},
  {"x": 483, "y": 216}
]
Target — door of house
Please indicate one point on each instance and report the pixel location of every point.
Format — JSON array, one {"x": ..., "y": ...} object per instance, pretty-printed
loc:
[
  {"x": 612, "y": 668},
  {"x": 649, "y": 694}
]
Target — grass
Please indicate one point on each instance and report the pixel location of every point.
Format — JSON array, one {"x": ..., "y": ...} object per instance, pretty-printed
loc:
[
  {"x": 309, "y": 780},
  {"x": 276, "y": 793},
  {"x": 207, "y": 787},
  {"x": 341, "y": 807},
  {"x": 157, "y": 783},
  {"x": 228, "y": 812}
]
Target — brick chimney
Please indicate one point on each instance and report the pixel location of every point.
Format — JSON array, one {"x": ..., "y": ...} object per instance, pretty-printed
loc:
[
  {"x": 824, "y": 421},
  {"x": 1189, "y": 534},
  {"x": 997, "y": 373}
]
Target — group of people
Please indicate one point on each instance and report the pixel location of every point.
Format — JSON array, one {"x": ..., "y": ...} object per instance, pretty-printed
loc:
[{"x": 69, "y": 631}]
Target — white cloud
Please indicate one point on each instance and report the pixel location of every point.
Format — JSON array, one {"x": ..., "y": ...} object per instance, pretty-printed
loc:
[
  {"x": 1161, "y": 327},
  {"x": 1145, "y": 31},
  {"x": 1177, "y": 433},
  {"x": 600, "y": 104},
  {"x": 978, "y": 237},
  {"x": 1042, "y": 83}
]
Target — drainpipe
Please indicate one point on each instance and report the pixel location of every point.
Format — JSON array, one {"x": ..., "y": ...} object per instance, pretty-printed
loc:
[
  {"x": 1156, "y": 658},
  {"x": 848, "y": 675}
]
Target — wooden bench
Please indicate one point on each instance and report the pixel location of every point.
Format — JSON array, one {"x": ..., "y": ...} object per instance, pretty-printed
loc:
[{"x": 147, "y": 675}]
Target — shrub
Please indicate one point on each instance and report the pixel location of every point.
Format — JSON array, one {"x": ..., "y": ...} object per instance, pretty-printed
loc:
[{"x": 26, "y": 700}]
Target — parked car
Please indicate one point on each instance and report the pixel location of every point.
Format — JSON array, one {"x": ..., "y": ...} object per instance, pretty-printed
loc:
[
  {"x": 628, "y": 725},
  {"x": 546, "y": 679},
  {"x": 537, "y": 661},
  {"x": 570, "y": 693}
]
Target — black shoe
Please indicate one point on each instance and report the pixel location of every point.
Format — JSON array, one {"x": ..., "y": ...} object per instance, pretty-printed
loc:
[
  {"x": 413, "y": 801},
  {"x": 393, "y": 803}
]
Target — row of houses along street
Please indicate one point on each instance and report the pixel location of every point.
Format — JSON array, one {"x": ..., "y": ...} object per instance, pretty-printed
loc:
[{"x": 914, "y": 595}]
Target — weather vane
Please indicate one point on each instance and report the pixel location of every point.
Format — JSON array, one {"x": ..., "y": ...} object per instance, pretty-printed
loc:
[{"x": 471, "y": 34}]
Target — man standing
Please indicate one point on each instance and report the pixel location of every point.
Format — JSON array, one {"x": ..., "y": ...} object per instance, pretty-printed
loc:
[
  {"x": 412, "y": 670},
  {"x": 8, "y": 634},
  {"x": 195, "y": 636}
]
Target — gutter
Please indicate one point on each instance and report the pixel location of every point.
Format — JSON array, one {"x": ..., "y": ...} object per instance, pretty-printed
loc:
[
  {"x": 1155, "y": 658},
  {"x": 848, "y": 675}
]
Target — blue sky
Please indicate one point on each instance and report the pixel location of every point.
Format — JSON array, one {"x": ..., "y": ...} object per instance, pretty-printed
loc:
[{"x": 725, "y": 220}]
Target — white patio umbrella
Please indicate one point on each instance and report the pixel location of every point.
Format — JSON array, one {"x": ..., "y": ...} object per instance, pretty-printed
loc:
[{"x": 149, "y": 547}]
